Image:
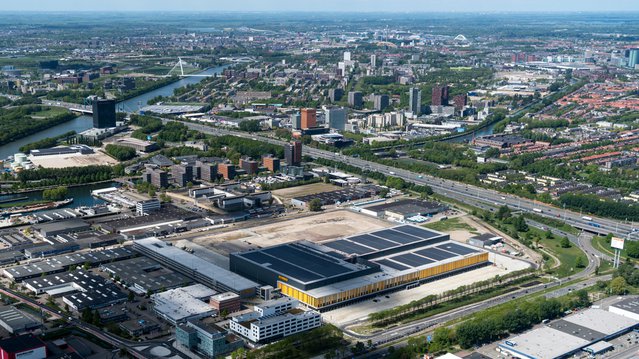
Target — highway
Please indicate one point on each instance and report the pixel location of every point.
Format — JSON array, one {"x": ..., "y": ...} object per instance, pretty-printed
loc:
[{"x": 452, "y": 189}]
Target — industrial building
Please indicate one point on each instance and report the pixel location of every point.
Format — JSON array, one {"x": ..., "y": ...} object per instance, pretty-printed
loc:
[
  {"x": 195, "y": 267},
  {"x": 484, "y": 240},
  {"x": 23, "y": 347},
  {"x": 324, "y": 276},
  {"x": 587, "y": 331},
  {"x": 404, "y": 209},
  {"x": 136, "y": 144},
  {"x": 628, "y": 308},
  {"x": 339, "y": 196},
  {"x": 80, "y": 289},
  {"x": 15, "y": 321},
  {"x": 62, "y": 150},
  {"x": 52, "y": 229},
  {"x": 181, "y": 304},
  {"x": 204, "y": 337},
  {"x": 274, "y": 320},
  {"x": 143, "y": 275},
  {"x": 64, "y": 262}
]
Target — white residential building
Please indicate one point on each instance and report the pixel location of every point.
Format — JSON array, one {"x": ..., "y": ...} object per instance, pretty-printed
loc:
[{"x": 274, "y": 319}]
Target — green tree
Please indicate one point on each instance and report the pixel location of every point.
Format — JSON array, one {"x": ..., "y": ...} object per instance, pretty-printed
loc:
[
  {"x": 580, "y": 262},
  {"x": 315, "y": 205},
  {"x": 503, "y": 212},
  {"x": 618, "y": 286},
  {"x": 565, "y": 242}
]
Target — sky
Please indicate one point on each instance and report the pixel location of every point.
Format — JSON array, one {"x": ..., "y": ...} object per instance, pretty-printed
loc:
[{"x": 323, "y": 5}]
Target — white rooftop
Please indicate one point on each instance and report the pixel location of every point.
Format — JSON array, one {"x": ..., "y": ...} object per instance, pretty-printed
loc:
[
  {"x": 545, "y": 342},
  {"x": 600, "y": 320},
  {"x": 178, "y": 304}
]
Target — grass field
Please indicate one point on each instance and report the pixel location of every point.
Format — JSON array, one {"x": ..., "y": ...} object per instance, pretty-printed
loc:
[
  {"x": 450, "y": 225},
  {"x": 50, "y": 112},
  {"x": 567, "y": 256}
]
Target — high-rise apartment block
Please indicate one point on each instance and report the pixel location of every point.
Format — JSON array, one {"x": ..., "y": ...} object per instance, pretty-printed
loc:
[
  {"x": 415, "y": 101},
  {"x": 309, "y": 118},
  {"x": 440, "y": 95}
]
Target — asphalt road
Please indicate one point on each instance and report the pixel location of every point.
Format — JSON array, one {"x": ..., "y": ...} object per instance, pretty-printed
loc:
[{"x": 452, "y": 189}]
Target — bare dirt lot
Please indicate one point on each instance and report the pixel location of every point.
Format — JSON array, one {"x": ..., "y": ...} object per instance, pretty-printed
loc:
[
  {"x": 288, "y": 193},
  {"x": 73, "y": 160},
  {"x": 315, "y": 228}
]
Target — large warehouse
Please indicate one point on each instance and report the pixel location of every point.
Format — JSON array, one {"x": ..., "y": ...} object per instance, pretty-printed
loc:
[
  {"x": 587, "y": 331},
  {"x": 330, "y": 274}
]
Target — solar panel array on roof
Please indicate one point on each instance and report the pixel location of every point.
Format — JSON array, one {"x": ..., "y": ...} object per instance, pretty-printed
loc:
[
  {"x": 436, "y": 254},
  {"x": 456, "y": 248},
  {"x": 372, "y": 241},
  {"x": 412, "y": 260},
  {"x": 391, "y": 264},
  {"x": 385, "y": 239},
  {"x": 348, "y": 247},
  {"x": 299, "y": 257}
]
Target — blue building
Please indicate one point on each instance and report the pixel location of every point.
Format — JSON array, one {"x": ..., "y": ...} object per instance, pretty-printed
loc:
[{"x": 206, "y": 338}]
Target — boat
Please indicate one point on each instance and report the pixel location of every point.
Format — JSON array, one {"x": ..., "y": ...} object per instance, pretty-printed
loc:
[{"x": 36, "y": 207}]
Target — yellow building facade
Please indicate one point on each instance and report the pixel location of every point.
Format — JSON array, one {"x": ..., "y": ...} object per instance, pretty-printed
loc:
[{"x": 328, "y": 300}]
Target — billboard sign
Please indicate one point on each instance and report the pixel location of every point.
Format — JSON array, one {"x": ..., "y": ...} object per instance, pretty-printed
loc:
[{"x": 617, "y": 243}]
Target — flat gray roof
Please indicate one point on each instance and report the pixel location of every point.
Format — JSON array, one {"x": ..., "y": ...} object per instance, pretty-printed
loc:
[
  {"x": 629, "y": 304},
  {"x": 601, "y": 320},
  {"x": 15, "y": 320},
  {"x": 197, "y": 264}
]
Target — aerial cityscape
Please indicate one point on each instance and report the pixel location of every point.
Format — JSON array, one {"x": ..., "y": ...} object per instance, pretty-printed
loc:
[{"x": 364, "y": 179}]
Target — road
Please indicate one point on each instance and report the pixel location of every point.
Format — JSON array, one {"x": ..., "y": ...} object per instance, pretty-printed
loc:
[
  {"x": 452, "y": 189},
  {"x": 95, "y": 331}
]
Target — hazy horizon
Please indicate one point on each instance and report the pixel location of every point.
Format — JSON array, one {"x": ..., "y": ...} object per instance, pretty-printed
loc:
[{"x": 399, "y": 6}]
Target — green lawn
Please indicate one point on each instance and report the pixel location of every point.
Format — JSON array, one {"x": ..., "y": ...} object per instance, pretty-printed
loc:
[
  {"x": 451, "y": 224},
  {"x": 567, "y": 256},
  {"x": 50, "y": 112}
]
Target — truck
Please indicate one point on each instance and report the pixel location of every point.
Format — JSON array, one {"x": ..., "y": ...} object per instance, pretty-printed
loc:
[
  {"x": 392, "y": 173},
  {"x": 537, "y": 210},
  {"x": 586, "y": 218},
  {"x": 594, "y": 224}
]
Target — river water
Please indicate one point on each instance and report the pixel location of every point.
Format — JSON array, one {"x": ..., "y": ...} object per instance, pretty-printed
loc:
[
  {"x": 83, "y": 123},
  {"x": 82, "y": 194}
]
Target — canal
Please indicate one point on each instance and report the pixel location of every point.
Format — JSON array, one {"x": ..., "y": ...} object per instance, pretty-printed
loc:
[
  {"x": 83, "y": 123},
  {"x": 81, "y": 195}
]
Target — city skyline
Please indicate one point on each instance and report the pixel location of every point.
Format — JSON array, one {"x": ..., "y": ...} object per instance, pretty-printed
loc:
[{"x": 329, "y": 6}]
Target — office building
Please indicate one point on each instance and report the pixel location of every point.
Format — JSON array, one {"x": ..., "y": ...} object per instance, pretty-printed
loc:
[
  {"x": 309, "y": 118},
  {"x": 204, "y": 337},
  {"x": 296, "y": 121},
  {"x": 249, "y": 165},
  {"x": 335, "y": 95},
  {"x": 182, "y": 174},
  {"x": 355, "y": 99},
  {"x": 146, "y": 207},
  {"x": 440, "y": 95},
  {"x": 157, "y": 178},
  {"x": 373, "y": 61},
  {"x": 226, "y": 170},
  {"x": 207, "y": 171},
  {"x": 336, "y": 118},
  {"x": 330, "y": 274},
  {"x": 226, "y": 302},
  {"x": 103, "y": 113},
  {"x": 460, "y": 101},
  {"x": 347, "y": 56},
  {"x": 271, "y": 163},
  {"x": 415, "y": 101},
  {"x": 633, "y": 58},
  {"x": 381, "y": 102},
  {"x": 274, "y": 319},
  {"x": 293, "y": 153}
]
